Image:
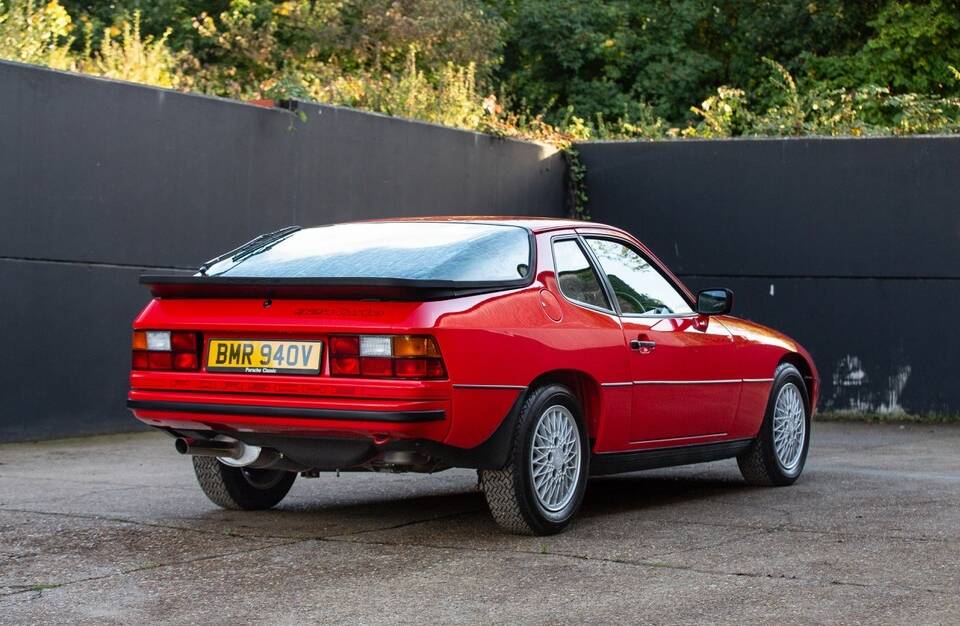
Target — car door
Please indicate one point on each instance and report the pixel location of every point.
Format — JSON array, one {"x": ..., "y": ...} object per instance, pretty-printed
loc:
[{"x": 683, "y": 367}]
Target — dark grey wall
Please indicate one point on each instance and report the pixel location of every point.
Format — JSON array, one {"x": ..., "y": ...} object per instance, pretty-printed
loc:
[
  {"x": 100, "y": 180},
  {"x": 851, "y": 246}
]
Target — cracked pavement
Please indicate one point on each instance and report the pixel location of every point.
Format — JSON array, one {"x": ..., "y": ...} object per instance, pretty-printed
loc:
[{"x": 115, "y": 530}]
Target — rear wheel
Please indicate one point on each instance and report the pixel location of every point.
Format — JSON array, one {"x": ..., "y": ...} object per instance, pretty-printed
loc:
[
  {"x": 241, "y": 487},
  {"x": 778, "y": 454},
  {"x": 542, "y": 486}
]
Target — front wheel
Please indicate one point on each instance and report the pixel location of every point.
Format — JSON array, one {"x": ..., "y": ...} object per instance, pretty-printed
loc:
[
  {"x": 241, "y": 487},
  {"x": 777, "y": 456},
  {"x": 542, "y": 486}
]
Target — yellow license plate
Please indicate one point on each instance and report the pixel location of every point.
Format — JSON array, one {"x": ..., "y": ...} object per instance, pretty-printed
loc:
[{"x": 264, "y": 357}]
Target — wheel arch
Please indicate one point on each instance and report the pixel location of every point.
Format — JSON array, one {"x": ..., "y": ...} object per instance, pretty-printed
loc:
[
  {"x": 806, "y": 371},
  {"x": 584, "y": 387}
]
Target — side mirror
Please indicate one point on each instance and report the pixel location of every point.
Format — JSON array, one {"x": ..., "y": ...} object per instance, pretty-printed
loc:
[{"x": 714, "y": 301}]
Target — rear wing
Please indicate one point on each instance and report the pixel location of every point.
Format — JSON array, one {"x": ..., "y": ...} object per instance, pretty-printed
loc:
[{"x": 403, "y": 289}]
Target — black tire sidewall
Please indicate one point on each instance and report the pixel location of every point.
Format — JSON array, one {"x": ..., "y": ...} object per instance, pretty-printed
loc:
[
  {"x": 542, "y": 399},
  {"x": 780, "y": 476}
]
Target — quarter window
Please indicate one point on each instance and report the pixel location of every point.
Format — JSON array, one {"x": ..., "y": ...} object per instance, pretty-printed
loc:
[
  {"x": 639, "y": 288},
  {"x": 577, "y": 278}
]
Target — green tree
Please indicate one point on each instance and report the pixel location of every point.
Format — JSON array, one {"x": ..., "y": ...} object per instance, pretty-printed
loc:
[
  {"x": 610, "y": 57},
  {"x": 911, "y": 47}
]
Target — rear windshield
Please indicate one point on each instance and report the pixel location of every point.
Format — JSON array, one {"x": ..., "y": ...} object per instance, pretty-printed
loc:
[{"x": 449, "y": 251}]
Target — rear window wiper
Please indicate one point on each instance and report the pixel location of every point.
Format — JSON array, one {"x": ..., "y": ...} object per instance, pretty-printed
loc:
[{"x": 248, "y": 248}]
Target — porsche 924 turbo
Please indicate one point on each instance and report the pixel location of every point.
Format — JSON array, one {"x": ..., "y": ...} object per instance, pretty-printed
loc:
[{"x": 539, "y": 352}]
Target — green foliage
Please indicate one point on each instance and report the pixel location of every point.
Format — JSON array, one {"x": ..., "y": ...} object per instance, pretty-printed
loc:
[
  {"x": 614, "y": 57},
  {"x": 818, "y": 110},
  {"x": 576, "y": 185},
  {"x": 911, "y": 50},
  {"x": 607, "y": 59},
  {"x": 548, "y": 70},
  {"x": 447, "y": 97},
  {"x": 32, "y": 33},
  {"x": 255, "y": 45},
  {"x": 135, "y": 58}
]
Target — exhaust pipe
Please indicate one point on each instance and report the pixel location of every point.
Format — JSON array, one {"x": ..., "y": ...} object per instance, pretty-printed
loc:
[
  {"x": 210, "y": 447},
  {"x": 236, "y": 453},
  {"x": 230, "y": 451}
]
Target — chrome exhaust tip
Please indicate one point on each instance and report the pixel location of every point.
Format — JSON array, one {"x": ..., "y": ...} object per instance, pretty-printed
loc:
[{"x": 229, "y": 451}]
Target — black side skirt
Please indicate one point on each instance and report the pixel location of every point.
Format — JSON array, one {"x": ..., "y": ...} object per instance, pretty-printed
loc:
[{"x": 619, "y": 462}]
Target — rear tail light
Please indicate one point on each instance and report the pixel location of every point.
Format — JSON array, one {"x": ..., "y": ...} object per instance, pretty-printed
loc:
[
  {"x": 386, "y": 356},
  {"x": 165, "y": 350}
]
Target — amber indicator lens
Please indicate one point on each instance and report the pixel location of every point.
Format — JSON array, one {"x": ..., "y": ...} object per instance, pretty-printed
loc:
[{"x": 406, "y": 345}]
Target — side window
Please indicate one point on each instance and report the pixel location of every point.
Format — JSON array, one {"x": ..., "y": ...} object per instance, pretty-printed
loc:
[
  {"x": 639, "y": 287},
  {"x": 577, "y": 278}
]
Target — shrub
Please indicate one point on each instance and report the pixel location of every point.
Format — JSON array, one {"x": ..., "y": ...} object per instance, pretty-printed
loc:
[
  {"x": 36, "y": 34},
  {"x": 449, "y": 98},
  {"x": 129, "y": 56}
]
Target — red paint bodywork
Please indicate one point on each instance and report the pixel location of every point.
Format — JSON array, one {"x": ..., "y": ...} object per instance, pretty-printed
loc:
[{"x": 494, "y": 346}]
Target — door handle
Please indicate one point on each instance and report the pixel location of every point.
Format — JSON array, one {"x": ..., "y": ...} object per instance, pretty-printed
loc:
[{"x": 643, "y": 346}]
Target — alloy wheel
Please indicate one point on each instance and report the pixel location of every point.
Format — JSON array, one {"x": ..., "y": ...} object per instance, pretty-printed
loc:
[
  {"x": 555, "y": 458},
  {"x": 789, "y": 426}
]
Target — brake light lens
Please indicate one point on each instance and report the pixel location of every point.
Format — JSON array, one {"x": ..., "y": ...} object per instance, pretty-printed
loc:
[
  {"x": 345, "y": 345},
  {"x": 164, "y": 350},
  {"x": 160, "y": 360},
  {"x": 183, "y": 342},
  {"x": 185, "y": 361},
  {"x": 411, "y": 368},
  {"x": 376, "y": 366},
  {"x": 345, "y": 365},
  {"x": 386, "y": 356}
]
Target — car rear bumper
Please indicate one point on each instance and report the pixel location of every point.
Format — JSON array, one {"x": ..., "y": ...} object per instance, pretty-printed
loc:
[
  {"x": 341, "y": 433},
  {"x": 385, "y": 413},
  {"x": 375, "y": 418},
  {"x": 305, "y": 412}
]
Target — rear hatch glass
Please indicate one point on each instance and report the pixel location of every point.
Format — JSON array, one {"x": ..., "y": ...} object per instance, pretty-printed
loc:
[{"x": 420, "y": 251}]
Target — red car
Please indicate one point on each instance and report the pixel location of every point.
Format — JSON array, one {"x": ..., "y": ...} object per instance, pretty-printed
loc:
[{"x": 537, "y": 351}]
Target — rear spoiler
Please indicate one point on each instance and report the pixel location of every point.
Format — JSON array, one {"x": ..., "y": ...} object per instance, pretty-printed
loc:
[{"x": 173, "y": 286}]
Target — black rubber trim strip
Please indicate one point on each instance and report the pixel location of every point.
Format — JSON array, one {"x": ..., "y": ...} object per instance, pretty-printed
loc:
[
  {"x": 618, "y": 462},
  {"x": 276, "y": 411}
]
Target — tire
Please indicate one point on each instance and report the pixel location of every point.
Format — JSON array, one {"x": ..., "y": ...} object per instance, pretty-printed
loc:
[
  {"x": 511, "y": 492},
  {"x": 765, "y": 463},
  {"x": 239, "y": 487}
]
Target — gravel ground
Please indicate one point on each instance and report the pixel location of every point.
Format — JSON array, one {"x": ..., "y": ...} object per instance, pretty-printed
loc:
[{"x": 115, "y": 530}]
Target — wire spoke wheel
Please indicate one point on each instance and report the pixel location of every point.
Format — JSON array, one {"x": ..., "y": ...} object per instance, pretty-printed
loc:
[
  {"x": 555, "y": 458},
  {"x": 789, "y": 426}
]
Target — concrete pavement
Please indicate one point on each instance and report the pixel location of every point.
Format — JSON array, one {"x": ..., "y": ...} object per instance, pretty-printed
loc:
[{"x": 115, "y": 530}]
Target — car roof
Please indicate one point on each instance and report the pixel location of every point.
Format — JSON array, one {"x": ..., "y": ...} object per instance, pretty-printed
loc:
[{"x": 535, "y": 224}]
